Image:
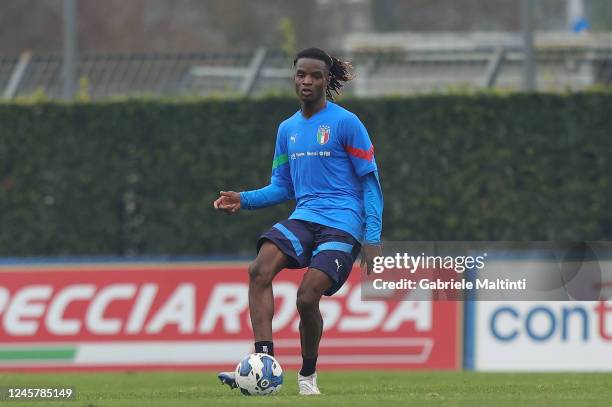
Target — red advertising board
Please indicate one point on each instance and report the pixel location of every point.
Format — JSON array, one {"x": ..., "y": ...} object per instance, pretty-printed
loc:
[{"x": 123, "y": 316}]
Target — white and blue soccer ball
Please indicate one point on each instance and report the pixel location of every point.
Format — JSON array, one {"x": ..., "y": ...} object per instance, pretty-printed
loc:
[{"x": 259, "y": 374}]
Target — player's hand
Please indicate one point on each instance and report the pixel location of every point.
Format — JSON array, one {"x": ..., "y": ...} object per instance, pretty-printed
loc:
[
  {"x": 369, "y": 252},
  {"x": 228, "y": 201}
]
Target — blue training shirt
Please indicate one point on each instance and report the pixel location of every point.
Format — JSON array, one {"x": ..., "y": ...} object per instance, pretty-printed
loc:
[{"x": 321, "y": 159}]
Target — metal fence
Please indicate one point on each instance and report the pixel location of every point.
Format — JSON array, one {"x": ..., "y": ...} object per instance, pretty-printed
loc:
[
  {"x": 262, "y": 71},
  {"x": 501, "y": 67}
]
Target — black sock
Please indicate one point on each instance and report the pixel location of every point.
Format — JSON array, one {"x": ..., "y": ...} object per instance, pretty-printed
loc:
[
  {"x": 264, "y": 347},
  {"x": 309, "y": 366}
]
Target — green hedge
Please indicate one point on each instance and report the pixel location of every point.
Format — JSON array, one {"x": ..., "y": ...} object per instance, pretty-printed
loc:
[{"x": 139, "y": 177}]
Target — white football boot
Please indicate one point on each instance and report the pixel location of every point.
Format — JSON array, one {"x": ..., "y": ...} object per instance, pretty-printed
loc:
[{"x": 308, "y": 385}]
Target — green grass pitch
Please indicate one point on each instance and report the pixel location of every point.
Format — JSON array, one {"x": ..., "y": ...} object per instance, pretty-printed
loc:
[{"x": 340, "y": 388}]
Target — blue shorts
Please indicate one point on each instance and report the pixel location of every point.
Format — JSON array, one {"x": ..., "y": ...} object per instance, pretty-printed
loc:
[{"x": 308, "y": 244}]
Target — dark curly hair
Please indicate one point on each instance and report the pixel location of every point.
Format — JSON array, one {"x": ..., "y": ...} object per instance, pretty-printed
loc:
[{"x": 339, "y": 71}]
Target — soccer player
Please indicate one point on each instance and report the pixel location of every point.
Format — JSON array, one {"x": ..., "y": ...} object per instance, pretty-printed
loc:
[{"x": 324, "y": 159}]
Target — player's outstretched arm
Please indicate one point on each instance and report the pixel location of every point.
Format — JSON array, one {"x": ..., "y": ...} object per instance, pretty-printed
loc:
[
  {"x": 272, "y": 194},
  {"x": 231, "y": 202},
  {"x": 228, "y": 202}
]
